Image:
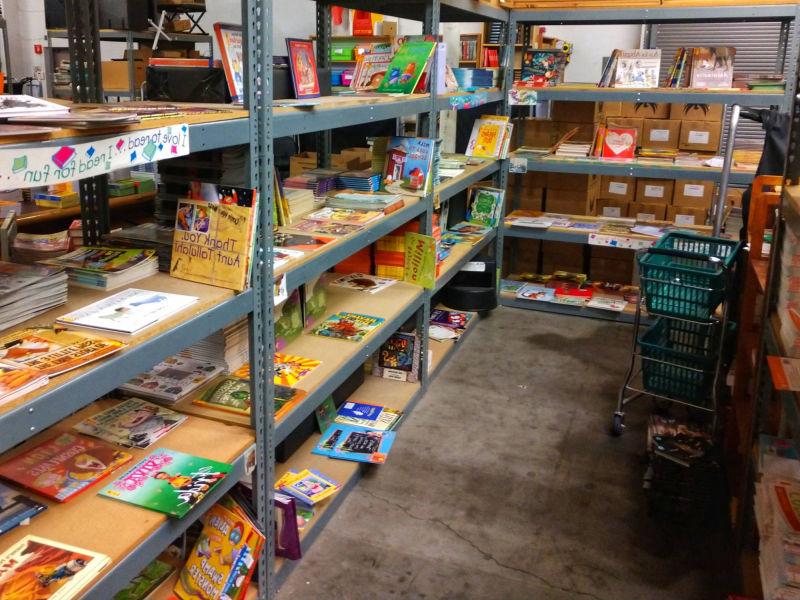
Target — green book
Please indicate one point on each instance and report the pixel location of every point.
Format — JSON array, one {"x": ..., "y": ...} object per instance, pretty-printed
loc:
[
  {"x": 406, "y": 68},
  {"x": 420, "y": 260}
]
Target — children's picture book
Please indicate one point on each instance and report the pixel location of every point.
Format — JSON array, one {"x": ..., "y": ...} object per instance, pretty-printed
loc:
[
  {"x": 281, "y": 256},
  {"x": 619, "y": 143},
  {"x": 54, "y": 351},
  {"x": 363, "y": 283},
  {"x": 133, "y": 423},
  {"x": 287, "y": 532},
  {"x": 345, "y": 216},
  {"x": 419, "y": 266},
  {"x": 17, "y": 381},
  {"x": 231, "y": 47},
  {"x": 36, "y": 568},
  {"x": 542, "y": 68},
  {"x": 19, "y": 105},
  {"x": 325, "y": 228},
  {"x": 370, "y": 416},
  {"x": 470, "y": 229},
  {"x": 510, "y": 286},
  {"x": 637, "y": 68},
  {"x": 406, "y": 67},
  {"x": 488, "y": 134},
  {"x": 298, "y": 241},
  {"x": 450, "y": 318},
  {"x": 128, "y": 312},
  {"x": 101, "y": 259},
  {"x": 286, "y": 399},
  {"x": 148, "y": 579},
  {"x": 315, "y": 301},
  {"x": 407, "y": 166},
  {"x": 16, "y": 508},
  {"x": 348, "y": 326},
  {"x": 230, "y": 394},
  {"x": 359, "y": 444},
  {"x": 325, "y": 413},
  {"x": 370, "y": 71},
  {"x": 607, "y": 303},
  {"x": 289, "y": 369},
  {"x": 712, "y": 68},
  {"x": 63, "y": 466},
  {"x": 173, "y": 378},
  {"x": 223, "y": 559},
  {"x": 486, "y": 205},
  {"x": 535, "y": 291},
  {"x": 168, "y": 481},
  {"x": 213, "y": 240},
  {"x": 303, "y": 67},
  {"x": 398, "y": 358},
  {"x": 309, "y": 486}
]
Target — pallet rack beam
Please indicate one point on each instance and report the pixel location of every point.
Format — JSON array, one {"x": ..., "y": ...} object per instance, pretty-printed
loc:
[
  {"x": 685, "y": 96},
  {"x": 452, "y": 11},
  {"x": 684, "y": 14}
]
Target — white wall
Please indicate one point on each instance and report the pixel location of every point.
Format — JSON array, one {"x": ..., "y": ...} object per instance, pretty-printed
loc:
[{"x": 590, "y": 44}]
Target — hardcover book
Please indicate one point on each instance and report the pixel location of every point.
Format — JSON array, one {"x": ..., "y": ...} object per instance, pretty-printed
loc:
[
  {"x": 398, "y": 358},
  {"x": 291, "y": 369},
  {"x": 619, "y": 143},
  {"x": 370, "y": 71},
  {"x": 173, "y": 378},
  {"x": 54, "y": 351},
  {"x": 16, "y": 508},
  {"x": 18, "y": 381},
  {"x": 370, "y": 416},
  {"x": 168, "y": 481},
  {"x": 408, "y": 165},
  {"x": 36, "y": 568},
  {"x": 63, "y": 466},
  {"x": 488, "y": 135},
  {"x": 363, "y": 283},
  {"x": 348, "y": 326},
  {"x": 354, "y": 443},
  {"x": 637, "y": 68},
  {"x": 406, "y": 67},
  {"x": 542, "y": 68},
  {"x": 486, "y": 205},
  {"x": 712, "y": 68},
  {"x": 133, "y": 423}
]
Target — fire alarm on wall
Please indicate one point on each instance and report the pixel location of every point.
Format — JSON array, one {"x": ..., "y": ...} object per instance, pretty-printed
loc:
[{"x": 37, "y": 48}]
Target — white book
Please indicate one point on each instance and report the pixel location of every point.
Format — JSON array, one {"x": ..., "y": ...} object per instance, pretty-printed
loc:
[
  {"x": 638, "y": 69},
  {"x": 128, "y": 312}
]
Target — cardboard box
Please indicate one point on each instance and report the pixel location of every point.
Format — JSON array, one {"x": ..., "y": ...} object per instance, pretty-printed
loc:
[
  {"x": 696, "y": 112},
  {"x": 570, "y": 181},
  {"x": 115, "y": 74},
  {"x": 661, "y": 134},
  {"x": 613, "y": 270},
  {"x": 576, "y": 112},
  {"x": 645, "y": 110},
  {"x": 363, "y": 155},
  {"x": 647, "y": 211},
  {"x": 686, "y": 215},
  {"x": 612, "y": 109},
  {"x": 700, "y": 135},
  {"x": 525, "y": 253},
  {"x": 611, "y": 207},
  {"x": 628, "y": 123},
  {"x": 654, "y": 191},
  {"x": 388, "y": 28},
  {"x": 569, "y": 202},
  {"x": 305, "y": 161},
  {"x": 562, "y": 256},
  {"x": 734, "y": 197},
  {"x": 529, "y": 199},
  {"x": 621, "y": 188},
  {"x": 537, "y": 133},
  {"x": 585, "y": 131},
  {"x": 691, "y": 192}
]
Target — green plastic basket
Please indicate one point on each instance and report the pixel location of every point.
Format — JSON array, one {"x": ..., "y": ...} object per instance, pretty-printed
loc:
[
  {"x": 685, "y": 274},
  {"x": 679, "y": 359}
]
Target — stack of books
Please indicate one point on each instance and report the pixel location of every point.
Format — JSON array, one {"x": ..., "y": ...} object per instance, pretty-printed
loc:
[
  {"x": 29, "y": 290},
  {"x": 30, "y": 248},
  {"x": 574, "y": 149},
  {"x": 147, "y": 235},
  {"x": 105, "y": 268},
  {"x": 363, "y": 181},
  {"x": 173, "y": 379},
  {"x": 473, "y": 79},
  {"x": 229, "y": 345},
  {"x": 297, "y": 203},
  {"x": 320, "y": 181}
]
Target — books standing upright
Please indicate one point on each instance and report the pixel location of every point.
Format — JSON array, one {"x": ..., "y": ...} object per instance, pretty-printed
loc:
[
  {"x": 408, "y": 166},
  {"x": 406, "y": 68},
  {"x": 712, "y": 68},
  {"x": 637, "y": 68}
]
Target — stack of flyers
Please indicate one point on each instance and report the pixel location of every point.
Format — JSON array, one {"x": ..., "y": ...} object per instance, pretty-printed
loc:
[
  {"x": 308, "y": 486},
  {"x": 359, "y": 444},
  {"x": 134, "y": 423}
]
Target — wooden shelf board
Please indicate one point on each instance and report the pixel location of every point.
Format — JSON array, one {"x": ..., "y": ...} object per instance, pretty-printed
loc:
[
  {"x": 33, "y": 214},
  {"x": 457, "y": 253},
  {"x": 116, "y": 528}
]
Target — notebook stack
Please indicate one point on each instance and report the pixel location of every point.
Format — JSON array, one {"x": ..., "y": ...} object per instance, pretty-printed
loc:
[
  {"x": 298, "y": 203},
  {"x": 30, "y": 248},
  {"x": 29, "y": 290},
  {"x": 362, "y": 181},
  {"x": 147, "y": 235},
  {"x": 229, "y": 345},
  {"x": 320, "y": 181},
  {"x": 105, "y": 268}
]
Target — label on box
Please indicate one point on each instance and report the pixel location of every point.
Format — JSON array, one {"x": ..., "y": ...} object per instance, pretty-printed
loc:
[
  {"x": 659, "y": 135},
  {"x": 518, "y": 165},
  {"x": 612, "y": 211},
  {"x": 475, "y": 267},
  {"x": 645, "y": 217},
  {"x": 694, "y": 190},
  {"x": 654, "y": 191},
  {"x": 684, "y": 219},
  {"x": 617, "y": 187},
  {"x": 698, "y": 137}
]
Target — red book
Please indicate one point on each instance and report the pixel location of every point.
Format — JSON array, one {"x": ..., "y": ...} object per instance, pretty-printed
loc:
[
  {"x": 619, "y": 143},
  {"x": 63, "y": 466}
]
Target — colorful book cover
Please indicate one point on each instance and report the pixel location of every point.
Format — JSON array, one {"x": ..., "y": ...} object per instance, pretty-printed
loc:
[
  {"x": 223, "y": 559},
  {"x": 315, "y": 301},
  {"x": 298, "y": 241},
  {"x": 231, "y": 394},
  {"x": 408, "y": 164},
  {"x": 323, "y": 228},
  {"x": 637, "y": 68},
  {"x": 173, "y": 378},
  {"x": 15, "y": 508},
  {"x": 534, "y": 291},
  {"x": 542, "y": 68},
  {"x": 450, "y": 318},
  {"x": 40, "y": 569},
  {"x": 420, "y": 260},
  {"x": 213, "y": 242},
  {"x": 370, "y": 416},
  {"x": 63, "y": 466},
  {"x": 360, "y": 444},
  {"x": 286, "y": 399},
  {"x": 148, "y": 579},
  {"x": 406, "y": 68},
  {"x": 470, "y": 229},
  {"x": 348, "y": 326},
  {"x": 363, "y": 283},
  {"x": 486, "y": 206},
  {"x": 133, "y": 423},
  {"x": 168, "y": 481},
  {"x": 619, "y": 143},
  {"x": 398, "y": 358},
  {"x": 287, "y": 533},
  {"x": 486, "y": 140},
  {"x": 128, "y": 311},
  {"x": 509, "y": 286},
  {"x": 303, "y": 67},
  {"x": 325, "y": 413},
  {"x": 101, "y": 259},
  {"x": 712, "y": 68},
  {"x": 309, "y": 486},
  {"x": 17, "y": 381},
  {"x": 344, "y": 216},
  {"x": 370, "y": 71},
  {"x": 289, "y": 369},
  {"x": 54, "y": 351}
]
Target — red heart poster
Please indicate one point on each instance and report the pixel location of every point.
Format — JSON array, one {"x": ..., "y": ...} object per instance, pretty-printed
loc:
[{"x": 619, "y": 143}]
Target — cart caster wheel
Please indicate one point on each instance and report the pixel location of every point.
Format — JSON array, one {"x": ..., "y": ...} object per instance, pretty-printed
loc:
[{"x": 617, "y": 424}]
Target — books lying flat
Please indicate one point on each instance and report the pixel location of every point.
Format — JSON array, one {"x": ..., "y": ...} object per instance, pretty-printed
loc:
[
  {"x": 18, "y": 381},
  {"x": 309, "y": 486},
  {"x": 360, "y": 444},
  {"x": 128, "y": 312},
  {"x": 133, "y": 423},
  {"x": 41, "y": 569},
  {"x": 168, "y": 481},
  {"x": 230, "y": 394},
  {"x": 229, "y": 345},
  {"x": 326, "y": 228},
  {"x": 281, "y": 256},
  {"x": 363, "y": 283},
  {"x": 365, "y": 181},
  {"x": 348, "y": 326},
  {"x": 172, "y": 379},
  {"x": 63, "y": 466},
  {"x": 54, "y": 351},
  {"x": 345, "y": 216},
  {"x": 299, "y": 242},
  {"x": 27, "y": 290},
  {"x": 370, "y": 416},
  {"x": 16, "y": 508},
  {"x": 20, "y": 105},
  {"x": 348, "y": 199},
  {"x": 539, "y": 293},
  {"x": 106, "y": 268},
  {"x": 146, "y": 235},
  {"x": 29, "y": 248},
  {"x": 290, "y": 369},
  {"x": 85, "y": 119}
]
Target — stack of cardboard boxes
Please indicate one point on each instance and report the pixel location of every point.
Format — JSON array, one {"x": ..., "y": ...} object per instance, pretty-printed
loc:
[{"x": 349, "y": 159}]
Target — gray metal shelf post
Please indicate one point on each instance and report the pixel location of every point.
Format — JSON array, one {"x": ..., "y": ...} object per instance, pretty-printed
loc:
[
  {"x": 324, "y": 28},
  {"x": 6, "y": 56}
]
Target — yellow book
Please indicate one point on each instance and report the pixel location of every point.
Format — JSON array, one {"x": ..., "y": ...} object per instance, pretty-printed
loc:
[{"x": 487, "y": 136}]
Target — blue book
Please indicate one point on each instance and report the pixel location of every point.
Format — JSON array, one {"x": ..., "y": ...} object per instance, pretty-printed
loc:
[
  {"x": 16, "y": 508},
  {"x": 370, "y": 416},
  {"x": 359, "y": 444}
]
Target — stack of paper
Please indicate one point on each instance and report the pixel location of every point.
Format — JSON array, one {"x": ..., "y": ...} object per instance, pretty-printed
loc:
[
  {"x": 320, "y": 181},
  {"x": 298, "y": 202},
  {"x": 106, "y": 268},
  {"x": 30, "y": 247},
  {"x": 229, "y": 345},
  {"x": 364, "y": 181},
  {"x": 28, "y": 290}
]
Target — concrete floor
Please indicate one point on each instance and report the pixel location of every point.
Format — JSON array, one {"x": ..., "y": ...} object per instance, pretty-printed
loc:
[{"x": 505, "y": 485}]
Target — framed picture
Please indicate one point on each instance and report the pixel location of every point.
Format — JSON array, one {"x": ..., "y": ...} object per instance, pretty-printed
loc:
[
  {"x": 231, "y": 48},
  {"x": 303, "y": 66}
]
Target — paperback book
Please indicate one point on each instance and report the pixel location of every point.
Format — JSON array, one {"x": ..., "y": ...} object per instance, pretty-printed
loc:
[
  {"x": 619, "y": 144},
  {"x": 407, "y": 168},
  {"x": 712, "y": 68},
  {"x": 325, "y": 413},
  {"x": 63, "y": 466},
  {"x": 16, "y": 508},
  {"x": 323, "y": 228},
  {"x": 17, "y": 381},
  {"x": 370, "y": 416},
  {"x": 349, "y": 442},
  {"x": 637, "y": 68},
  {"x": 488, "y": 137},
  {"x": 173, "y": 378},
  {"x": 54, "y": 351},
  {"x": 146, "y": 582},
  {"x": 309, "y": 486},
  {"x": 348, "y": 326},
  {"x": 345, "y": 216},
  {"x": 453, "y": 319},
  {"x": 299, "y": 242},
  {"x": 133, "y": 423},
  {"x": 370, "y": 71},
  {"x": 230, "y": 394},
  {"x": 398, "y": 358},
  {"x": 363, "y": 283},
  {"x": 289, "y": 369},
  {"x": 106, "y": 268},
  {"x": 36, "y": 568},
  {"x": 128, "y": 312},
  {"x": 168, "y": 481},
  {"x": 406, "y": 67},
  {"x": 29, "y": 290},
  {"x": 486, "y": 205},
  {"x": 537, "y": 292}
]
